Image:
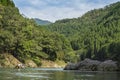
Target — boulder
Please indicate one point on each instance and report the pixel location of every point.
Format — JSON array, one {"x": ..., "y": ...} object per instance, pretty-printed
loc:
[
  {"x": 70, "y": 66},
  {"x": 93, "y": 65},
  {"x": 88, "y": 64},
  {"x": 108, "y": 65},
  {"x": 20, "y": 66}
]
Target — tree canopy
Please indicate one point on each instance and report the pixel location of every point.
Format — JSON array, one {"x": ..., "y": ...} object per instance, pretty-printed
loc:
[
  {"x": 92, "y": 35},
  {"x": 24, "y": 39}
]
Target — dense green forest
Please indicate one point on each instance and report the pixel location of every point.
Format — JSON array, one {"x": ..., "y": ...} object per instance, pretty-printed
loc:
[
  {"x": 95, "y": 35},
  {"x": 22, "y": 38}
]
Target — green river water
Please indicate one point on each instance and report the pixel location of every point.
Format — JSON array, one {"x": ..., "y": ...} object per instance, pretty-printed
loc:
[{"x": 55, "y": 74}]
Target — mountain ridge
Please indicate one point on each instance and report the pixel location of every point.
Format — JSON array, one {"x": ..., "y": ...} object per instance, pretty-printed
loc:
[{"x": 42, "y": 22}]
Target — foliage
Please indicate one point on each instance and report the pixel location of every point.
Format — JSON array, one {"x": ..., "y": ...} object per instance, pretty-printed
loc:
[
  {"x": 93, "y": 34},
  {"x": 22, "y": 38},
  {"x": 7, "y": 3}
]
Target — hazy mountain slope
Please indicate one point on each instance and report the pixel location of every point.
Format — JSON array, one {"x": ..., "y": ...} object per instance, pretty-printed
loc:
[{"x": 42, "y": 22}]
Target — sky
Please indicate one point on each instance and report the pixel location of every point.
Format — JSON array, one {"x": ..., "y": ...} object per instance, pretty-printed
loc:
[{"x": 53, "y": 10}]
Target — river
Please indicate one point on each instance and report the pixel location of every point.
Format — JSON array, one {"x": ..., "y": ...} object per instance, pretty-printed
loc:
[{"x": 55, "y": 74}]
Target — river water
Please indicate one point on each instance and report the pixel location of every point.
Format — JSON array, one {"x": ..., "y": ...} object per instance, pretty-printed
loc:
[{"x": 55, "y": 74}]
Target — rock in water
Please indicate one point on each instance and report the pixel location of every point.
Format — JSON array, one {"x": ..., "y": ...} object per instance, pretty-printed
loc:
[
  {"x": 93, "y": 65},
  {"x": 70, "y": 66},
  {"x": 108, "y": 65},
  {"x": 20, "y": 66},
  {"x": 88, "y": 64}
]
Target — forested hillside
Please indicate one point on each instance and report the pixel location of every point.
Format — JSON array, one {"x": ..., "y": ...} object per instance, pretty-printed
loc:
[
  {"x": 22, "y": 38},
  {"x": 95, "y": 35}
]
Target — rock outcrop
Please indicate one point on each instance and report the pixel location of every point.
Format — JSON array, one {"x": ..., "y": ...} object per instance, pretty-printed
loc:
[
  {"x": 8, "y": 61},
  {"x": 108, "y": 65},
  {"x": 30, "y": 63},
  {"x": 93, "y": 65}
]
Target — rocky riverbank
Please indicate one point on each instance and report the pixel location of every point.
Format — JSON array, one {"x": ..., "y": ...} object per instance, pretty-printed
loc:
[
  {"x": 9, "y": 61},
  {"x": 93, "y": 65},
  {"x": 49, "y": 64}
]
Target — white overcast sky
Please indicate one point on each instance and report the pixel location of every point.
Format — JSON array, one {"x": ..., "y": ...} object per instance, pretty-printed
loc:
[{"x": 53, "y": 10}]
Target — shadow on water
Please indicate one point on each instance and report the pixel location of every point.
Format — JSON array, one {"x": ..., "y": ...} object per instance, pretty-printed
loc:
[{"x": 55, "y": 74}]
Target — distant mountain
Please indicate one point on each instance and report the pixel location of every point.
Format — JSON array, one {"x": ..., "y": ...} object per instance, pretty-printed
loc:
[{"x": 42, "y": 22}]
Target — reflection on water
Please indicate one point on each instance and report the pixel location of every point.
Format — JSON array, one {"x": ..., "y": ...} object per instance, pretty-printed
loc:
[{"x": 55, "y": 74}]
